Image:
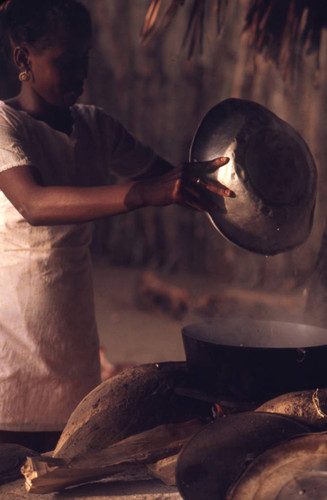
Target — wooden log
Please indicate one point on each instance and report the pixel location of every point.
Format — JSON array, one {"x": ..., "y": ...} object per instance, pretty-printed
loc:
[
  {"x": 310, "y": 407},
  {"x": 138, "y": 399},
  {"x": 46, "y": 474},
  {"x": 12, "y": 457},
  {"x": 165, "y": 470}
]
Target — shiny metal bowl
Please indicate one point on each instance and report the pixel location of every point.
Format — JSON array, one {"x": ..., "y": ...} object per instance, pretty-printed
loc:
[{"x": 271, "y": 172}]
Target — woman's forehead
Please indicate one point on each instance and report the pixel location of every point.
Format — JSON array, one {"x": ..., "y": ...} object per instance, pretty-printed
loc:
[
  {"x": 65, "y": 43},
  {"x": 70, "y": 40},
  {"x": 75, "y": 44}
]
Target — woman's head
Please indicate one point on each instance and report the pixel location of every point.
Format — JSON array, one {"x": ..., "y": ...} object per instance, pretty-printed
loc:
[
  {"x": 49, "y": 42},
  {"x": 38, "y": 22}
]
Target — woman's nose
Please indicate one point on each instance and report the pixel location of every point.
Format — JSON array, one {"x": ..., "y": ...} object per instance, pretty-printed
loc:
[
  {"x": 82, "y": 71},
  {"x": 79, "y": 69}
]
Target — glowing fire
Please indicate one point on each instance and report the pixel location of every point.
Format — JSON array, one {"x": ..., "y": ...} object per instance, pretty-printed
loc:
[{"x": 218, "y": 411}]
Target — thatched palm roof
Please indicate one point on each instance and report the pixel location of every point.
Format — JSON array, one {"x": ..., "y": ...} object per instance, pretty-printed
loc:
[{"x": 282, "y": 30}]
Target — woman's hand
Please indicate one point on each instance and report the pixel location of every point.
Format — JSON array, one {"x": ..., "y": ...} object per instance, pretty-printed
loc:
[
  {"x": 185, "y": 184},
  {"x": 197, "y": 183}
]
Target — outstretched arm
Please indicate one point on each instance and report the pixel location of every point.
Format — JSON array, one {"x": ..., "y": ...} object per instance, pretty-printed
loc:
[
  {"x": 159, "y": 167},
  {"x": 49, "y": 205},
  {"x": 42, "y": 205}
]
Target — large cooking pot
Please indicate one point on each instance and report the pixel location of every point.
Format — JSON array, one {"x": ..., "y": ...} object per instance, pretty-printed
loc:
[
  {"x": 270, "y": 171},
  {"x": 250, "y": 360}
]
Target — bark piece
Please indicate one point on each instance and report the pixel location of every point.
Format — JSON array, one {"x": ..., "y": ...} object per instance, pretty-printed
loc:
[
  {"x": 12, "y": 457},
  {"x": 310, "y": 407},
  {"x": 138, "y": 399},
  {"x": 165, "y": 470},
  {"x": 46, "y": 474}
]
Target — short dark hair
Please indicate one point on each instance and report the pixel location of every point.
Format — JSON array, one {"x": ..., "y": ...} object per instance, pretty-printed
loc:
[{"x": 37, "y": 22}]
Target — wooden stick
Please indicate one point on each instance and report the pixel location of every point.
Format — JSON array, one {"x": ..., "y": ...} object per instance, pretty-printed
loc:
[
  {"x": 45, "y": 474},
  {"x": 164, "y": 470}
]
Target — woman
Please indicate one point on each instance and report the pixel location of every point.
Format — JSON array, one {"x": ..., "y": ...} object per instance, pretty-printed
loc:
[{"x": 55, "y": 156}]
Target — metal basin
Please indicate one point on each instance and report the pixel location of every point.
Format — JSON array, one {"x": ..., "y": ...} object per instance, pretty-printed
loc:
[{"x": 271, "y": 172}]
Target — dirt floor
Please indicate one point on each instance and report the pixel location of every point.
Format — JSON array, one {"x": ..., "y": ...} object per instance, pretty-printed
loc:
[{"x": 128, "y": 333}]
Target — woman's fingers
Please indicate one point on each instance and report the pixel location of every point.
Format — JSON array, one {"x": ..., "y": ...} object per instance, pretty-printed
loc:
[
  {"x": 198, "y": 173},
  {"x": 191, "y": 196},
  {"x": 191, "y": 200},
  {"x": 203, "y": 168},
  {"x": 216, "y": 187},
  {"x": 206, "y": 166},
  {"x": 217, "y": 162},
  {"x": 192, "y": 190}
]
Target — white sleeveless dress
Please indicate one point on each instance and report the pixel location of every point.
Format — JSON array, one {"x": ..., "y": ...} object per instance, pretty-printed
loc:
[{"x": 49, "y": 352}]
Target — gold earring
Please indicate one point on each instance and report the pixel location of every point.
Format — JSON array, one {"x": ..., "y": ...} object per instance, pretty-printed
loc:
[{"x": 24, "y": 76}]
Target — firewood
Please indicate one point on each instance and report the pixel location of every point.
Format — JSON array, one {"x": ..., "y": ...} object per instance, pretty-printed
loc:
[
  {"x": 45, "y": 474},
  {"x": 12, "y": 457},
  {"x": 152, "y": 293},
  {"x": 165, "y": 470},
  {"x": 136, "y": 400},
  {"x": 310, "y": 407}
]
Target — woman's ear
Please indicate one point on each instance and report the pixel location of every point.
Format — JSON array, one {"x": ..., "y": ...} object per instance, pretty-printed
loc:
[{"x": 21, "y": 57}]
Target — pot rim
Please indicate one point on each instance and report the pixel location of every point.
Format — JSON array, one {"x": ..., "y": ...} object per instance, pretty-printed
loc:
[{"x": 246, "y": 333}]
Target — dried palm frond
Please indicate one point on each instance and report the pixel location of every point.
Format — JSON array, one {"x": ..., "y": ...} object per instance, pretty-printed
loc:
[
  {"x": 150, "y": 19},
  {"x": 221, "y": 6},
  {"x": 170, "y": 13},
  {"x": 195, "y": 27},
  {"x": 153, "y": 22},
  {"x": 2, "y": 4},
  {"x": 284, "y": 30}
]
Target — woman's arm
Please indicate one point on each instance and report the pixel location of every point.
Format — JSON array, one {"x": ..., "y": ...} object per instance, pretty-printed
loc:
[
  {"x": 47, "y": 205},
  {"x": 159, "y": 167},
  {"x": 41, "y": 205}
]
